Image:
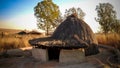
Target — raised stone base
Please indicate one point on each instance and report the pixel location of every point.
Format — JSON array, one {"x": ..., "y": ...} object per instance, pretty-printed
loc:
[
  {"x": 71, "y": 56},
  {"x": 40, "y": 54}
]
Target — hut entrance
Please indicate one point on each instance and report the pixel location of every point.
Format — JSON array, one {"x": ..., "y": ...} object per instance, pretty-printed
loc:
[{"x": 53, "y": 53}]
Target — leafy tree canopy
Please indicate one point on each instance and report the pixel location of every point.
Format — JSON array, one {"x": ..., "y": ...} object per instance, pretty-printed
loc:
[
  {"x": 47, "y": 14},
  {"x": 107, "y": 18},
  {"x": 78, "y": 11}
]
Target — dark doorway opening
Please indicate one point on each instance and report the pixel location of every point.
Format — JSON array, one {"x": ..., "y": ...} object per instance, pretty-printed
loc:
[{"x": 53, "y": 53}]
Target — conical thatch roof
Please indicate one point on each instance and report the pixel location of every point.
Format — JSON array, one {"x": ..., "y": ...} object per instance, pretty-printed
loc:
[
  {"x": 22, "y": 33},
  {"x": 71, "y": 33},
  {"x": 35, "y": 32},
  {"x": 73, "y": 27}
]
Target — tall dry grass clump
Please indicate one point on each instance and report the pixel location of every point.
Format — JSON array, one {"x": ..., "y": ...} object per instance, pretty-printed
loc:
[
  {"x": 15, "y": 41},
  {"x": 109, "y": 39}
]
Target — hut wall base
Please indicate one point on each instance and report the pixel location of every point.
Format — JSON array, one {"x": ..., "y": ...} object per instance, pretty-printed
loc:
[
  {"x": 40, "y": 54},
  {"x": 71, "y": 56}
]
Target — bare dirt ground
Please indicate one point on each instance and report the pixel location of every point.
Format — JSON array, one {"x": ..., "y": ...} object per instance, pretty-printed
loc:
[
  {"x": 24, "y": 62},
  {"x": 24, "y": 59}
]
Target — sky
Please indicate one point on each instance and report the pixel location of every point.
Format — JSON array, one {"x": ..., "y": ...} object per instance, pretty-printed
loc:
[{"x": 19, "y": 14}]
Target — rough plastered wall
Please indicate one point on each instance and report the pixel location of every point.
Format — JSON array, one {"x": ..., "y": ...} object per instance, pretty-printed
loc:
[
  {"x": 40, "y": 54},
  {"x": 71, "y": 56}
]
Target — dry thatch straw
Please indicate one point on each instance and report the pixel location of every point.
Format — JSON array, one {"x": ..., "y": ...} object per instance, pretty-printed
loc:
[{"x": 72, "y": 28}]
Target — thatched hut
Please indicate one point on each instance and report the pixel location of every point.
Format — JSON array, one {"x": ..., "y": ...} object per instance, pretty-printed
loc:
[
  {"x": 22, "y": 33},
  {"x": 35, "y": 32},
  {"x": 67, "y": 43}
]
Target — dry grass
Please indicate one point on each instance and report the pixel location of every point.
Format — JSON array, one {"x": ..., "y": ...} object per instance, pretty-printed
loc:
[
  {"x": 109, "y": 39},
  {"x": 12, "y": 41}
]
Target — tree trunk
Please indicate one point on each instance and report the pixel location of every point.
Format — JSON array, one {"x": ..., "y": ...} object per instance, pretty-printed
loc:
[{"x": 47, "y": 30}]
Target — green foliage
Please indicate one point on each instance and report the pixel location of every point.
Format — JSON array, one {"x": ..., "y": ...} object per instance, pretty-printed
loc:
[
  {"x": 47, "y": 14},
  {"x": 78, "y": 11},
  {"x": 107, "y": 18},
  {"x": 116, "y": 27}
]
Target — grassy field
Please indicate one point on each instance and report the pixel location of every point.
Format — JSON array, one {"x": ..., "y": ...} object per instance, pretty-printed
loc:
[
  {"x": 109, "y": 39},
  {"x": 9, "y": 39}
]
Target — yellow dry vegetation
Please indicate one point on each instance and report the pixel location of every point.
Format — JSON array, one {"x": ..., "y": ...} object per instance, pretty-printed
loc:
[
  {"x": 109, "y": 39},
  {"x": 13, "y": 41}
]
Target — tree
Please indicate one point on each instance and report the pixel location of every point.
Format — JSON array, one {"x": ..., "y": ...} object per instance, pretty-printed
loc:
[
  {"x": 47, "y": 14},
  {"x": 109, "y": 23},
  {"x": 78, "y": 11},
  {"x": 116, "y": 27},
  {"x": 106, "y": 16}
]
